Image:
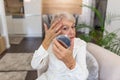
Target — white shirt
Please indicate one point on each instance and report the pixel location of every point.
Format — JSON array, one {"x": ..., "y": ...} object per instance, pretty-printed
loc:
[{"x": 56, "y": 69}]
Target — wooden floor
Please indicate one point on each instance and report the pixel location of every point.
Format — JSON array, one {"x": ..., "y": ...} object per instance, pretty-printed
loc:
[{"x": 28, "y": 45}]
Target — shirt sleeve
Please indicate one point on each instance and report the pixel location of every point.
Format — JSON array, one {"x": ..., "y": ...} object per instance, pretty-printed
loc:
[
  {"x": 80, "y": 72},
  {"x": 40, "y": 58}
]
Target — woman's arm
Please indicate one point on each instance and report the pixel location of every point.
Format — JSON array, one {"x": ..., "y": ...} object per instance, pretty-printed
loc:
[
  {"x": 80, "y": 72},
  {"x": 40, "y": 58},
  {"x": 77, "y": 69}
]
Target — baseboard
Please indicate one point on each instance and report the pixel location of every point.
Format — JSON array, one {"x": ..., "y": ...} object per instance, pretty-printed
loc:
[{"x": 26, "y": 35}]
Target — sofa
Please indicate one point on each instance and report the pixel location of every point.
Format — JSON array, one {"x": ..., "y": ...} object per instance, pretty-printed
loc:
[{"x": 108, "y": 64}]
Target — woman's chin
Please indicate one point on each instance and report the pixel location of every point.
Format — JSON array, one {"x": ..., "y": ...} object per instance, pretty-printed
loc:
[{"x": 71, "y": 39}]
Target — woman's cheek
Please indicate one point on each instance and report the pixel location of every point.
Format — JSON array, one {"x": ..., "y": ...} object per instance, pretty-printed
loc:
[{"x": 64, "y": 32}]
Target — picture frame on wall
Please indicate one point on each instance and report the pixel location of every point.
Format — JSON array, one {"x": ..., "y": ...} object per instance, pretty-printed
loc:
[{"x": 14, "y": 8}]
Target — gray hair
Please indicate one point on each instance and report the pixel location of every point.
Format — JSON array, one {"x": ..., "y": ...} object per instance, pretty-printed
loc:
[{"x": 66, "y": 15}]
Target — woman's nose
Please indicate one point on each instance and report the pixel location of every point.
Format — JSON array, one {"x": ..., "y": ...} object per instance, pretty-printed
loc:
[{"x": 71, "y": 31}]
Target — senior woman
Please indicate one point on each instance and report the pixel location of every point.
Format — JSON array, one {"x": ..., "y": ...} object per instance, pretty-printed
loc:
[{"x": 61, "y": 63}]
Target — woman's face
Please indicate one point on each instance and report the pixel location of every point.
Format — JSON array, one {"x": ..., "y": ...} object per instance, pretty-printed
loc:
[{"x": 68, "y": 28}]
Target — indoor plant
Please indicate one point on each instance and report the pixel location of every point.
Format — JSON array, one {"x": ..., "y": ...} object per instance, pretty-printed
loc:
[{"x": 100, "y": 36}]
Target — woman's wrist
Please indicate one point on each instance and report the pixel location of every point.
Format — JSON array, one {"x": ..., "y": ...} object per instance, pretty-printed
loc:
[
  {"x": 45, "y": 44},
  {"x": 71, "y": 64}
]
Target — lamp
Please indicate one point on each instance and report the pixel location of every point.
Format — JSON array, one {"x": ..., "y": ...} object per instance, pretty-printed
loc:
[{"x": 27, "y": 0}]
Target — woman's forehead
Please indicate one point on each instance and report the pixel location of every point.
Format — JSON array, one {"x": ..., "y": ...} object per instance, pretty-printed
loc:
[{"x": 67, "y": 21}]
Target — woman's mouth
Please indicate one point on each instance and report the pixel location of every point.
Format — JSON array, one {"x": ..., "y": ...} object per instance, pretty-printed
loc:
[{"x": 72, "y": 37}]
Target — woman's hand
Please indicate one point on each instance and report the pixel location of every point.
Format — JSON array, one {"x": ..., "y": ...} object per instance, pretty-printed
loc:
[
  {"x": 63, "y": 54},
  {"x": 52, "y": 32}
]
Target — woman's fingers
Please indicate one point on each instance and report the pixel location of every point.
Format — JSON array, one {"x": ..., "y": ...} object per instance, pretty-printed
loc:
[
  {"x": 58, "y": 27},
  {"x": 45, "y": 27},
  {"x": 55, "y": 23},
  {"x": 58, "y": 45},
  {"x": 56, "y": 50},
  {"x": 60, "y": 52},
  {"x": 57, "y": 30},
  {"x": 53, "y": 31},
  {"x": 57, "y": 33}
]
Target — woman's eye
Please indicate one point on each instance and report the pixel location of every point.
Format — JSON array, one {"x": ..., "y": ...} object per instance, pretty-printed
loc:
[
  {"x": 73, "y": 26},
  {"x": 65, "y": 28}
]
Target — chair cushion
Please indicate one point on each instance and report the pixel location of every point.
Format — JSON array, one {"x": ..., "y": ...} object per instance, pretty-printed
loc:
[{"x": 92, "y": 66}]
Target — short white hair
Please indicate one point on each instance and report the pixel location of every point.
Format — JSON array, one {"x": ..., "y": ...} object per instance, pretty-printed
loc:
[{"x": 66, "y": 15}]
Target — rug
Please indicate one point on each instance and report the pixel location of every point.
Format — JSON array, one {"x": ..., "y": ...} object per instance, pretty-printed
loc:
[
  {"x": 16, "y": 61},
  {"x": 13, "y": 75},
  {"x": 15, "y": 40}
]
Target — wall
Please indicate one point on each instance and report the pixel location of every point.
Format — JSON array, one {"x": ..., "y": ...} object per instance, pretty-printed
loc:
[
  {"x": 113, "y": 7},
  {"x": 29, "y": 26}
]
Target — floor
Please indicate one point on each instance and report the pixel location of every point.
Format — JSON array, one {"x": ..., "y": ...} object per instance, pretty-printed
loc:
[{"x": 28, "y": 45}]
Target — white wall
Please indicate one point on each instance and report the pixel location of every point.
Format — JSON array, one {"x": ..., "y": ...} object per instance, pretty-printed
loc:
[
  {"x": 113, "y": 7},
  {"x": 10, "y": 24},
  {"x": 31, "y": 24}
]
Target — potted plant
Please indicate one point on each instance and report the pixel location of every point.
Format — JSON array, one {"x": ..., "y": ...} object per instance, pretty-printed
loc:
[{"x": 100, "y": 36}]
